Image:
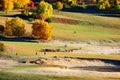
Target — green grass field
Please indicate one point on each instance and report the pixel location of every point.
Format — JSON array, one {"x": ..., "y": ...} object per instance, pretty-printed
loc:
[
  {"x": 91, "y": 27},
  {"x": 18, "y": 76},
  {"x": 84, "y": 32}
]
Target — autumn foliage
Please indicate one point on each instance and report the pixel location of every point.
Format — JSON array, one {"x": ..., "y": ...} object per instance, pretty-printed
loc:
[
  {"x": 42, "y": 30},
  {"x": 104, "y": 4},
  {"x": 8, "y": 5},
  {"x": 15, "y": 27},
  {"x": 44, "y": 8},
  {"x": 2, "y": 47},
  {"x": 21, "y": 3},
  {"x": 59, "y": 5}
]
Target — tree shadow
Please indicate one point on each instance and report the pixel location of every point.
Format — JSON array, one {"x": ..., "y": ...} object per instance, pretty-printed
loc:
[
  {"x": 19, "y": 15},
  {"x": 18, "y": 39},
  {"x": 93, "y": 10}
]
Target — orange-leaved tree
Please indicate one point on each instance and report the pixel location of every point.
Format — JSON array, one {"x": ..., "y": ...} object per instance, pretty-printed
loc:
[{"x": 42, "y": 30}]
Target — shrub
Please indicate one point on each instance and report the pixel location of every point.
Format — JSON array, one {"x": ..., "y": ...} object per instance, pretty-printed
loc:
[
  {"x": 59, "y": 5},
  {"x": 71, "y": 3},
  {"x": 2, "y": 29},
  {"x": 42, "y": 30},
  {"x": 2, "y": 47},
  {"x": 15, "y": 27},
  {"x": 84, "y": 5},
  {"x": 104, "y": 4},
  {"x": 117, "y": 8}
]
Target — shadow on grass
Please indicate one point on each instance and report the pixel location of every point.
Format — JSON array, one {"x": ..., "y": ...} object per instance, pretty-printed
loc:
[
  {"x": 19, "y": 15},
  {"x": 100, "y": 68},
  {"x": 18, "y": 39},
  {"x": 93, "y": 10}
]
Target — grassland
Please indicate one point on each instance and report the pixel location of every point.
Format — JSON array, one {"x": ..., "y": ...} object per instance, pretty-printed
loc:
[
  {"x": 18, "y": 76},
  {"x": 30, "y": 49},
  {"x": 84, "y": 32},
  {"x": 91, "y": 27}
]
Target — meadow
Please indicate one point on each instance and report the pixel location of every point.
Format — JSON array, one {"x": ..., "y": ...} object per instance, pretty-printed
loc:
[
  {"x": 18, "y": 76},
  {"x": 90, "y": 27}
]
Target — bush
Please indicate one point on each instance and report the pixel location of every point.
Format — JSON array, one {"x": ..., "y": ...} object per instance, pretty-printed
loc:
[
  {"x": 2, "y": 29},
  {"x": 104, "y": 4},
  {"x": 117, "y": 8},
  {"x": 71, "y": 3},
  {"x": 59, "y": 5},
  {"x": 15, "y": 27},
  {"x": 2, "y": 47},
  {"x": 42, "y": 30}
]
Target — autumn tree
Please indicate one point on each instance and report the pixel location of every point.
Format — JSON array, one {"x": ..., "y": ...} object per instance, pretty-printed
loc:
[
  {"x": 21, "y": 3},
  {"x": 104, "y": 4},
  {"x": 15, "y": 27},
  {"x": 70, "y": 2},
  {"x": 42, "y": 30},
  {"x": 44, "y": 8},
  {"x": 59, "y": 5},
  {"x": 8, "y": 5}
]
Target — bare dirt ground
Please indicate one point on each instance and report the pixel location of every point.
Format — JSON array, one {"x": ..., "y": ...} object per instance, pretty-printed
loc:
[
  {"x": 66, "y": 67},
  {"x": 93, "y": 47}
]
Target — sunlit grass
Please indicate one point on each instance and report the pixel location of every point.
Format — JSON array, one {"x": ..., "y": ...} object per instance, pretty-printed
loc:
[
  {"x": 83, "y": 32},
  {"x": 30, "y": 49},
  {"x": 23, "y": 76}
]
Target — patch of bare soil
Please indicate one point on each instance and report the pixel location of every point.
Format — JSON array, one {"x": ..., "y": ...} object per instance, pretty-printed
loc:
[
  {"x": 72, "y": 67},
  {"x": 92, "y": 47},
  {"x": 7, "y": 63},
  {"x": 65, "y": 20}
]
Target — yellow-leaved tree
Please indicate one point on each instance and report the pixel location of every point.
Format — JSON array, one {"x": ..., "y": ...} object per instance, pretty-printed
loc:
[
  {"x": 15, "y": 27},
  {"x": 21, "y": 3},
  {"x": 104, "y": 4},
  {"x": 8, "y": 5},
  {"x": 42, "y": 30},
  {"x": 59, "y": 5},
  {"x": 44, "y": 8}
]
